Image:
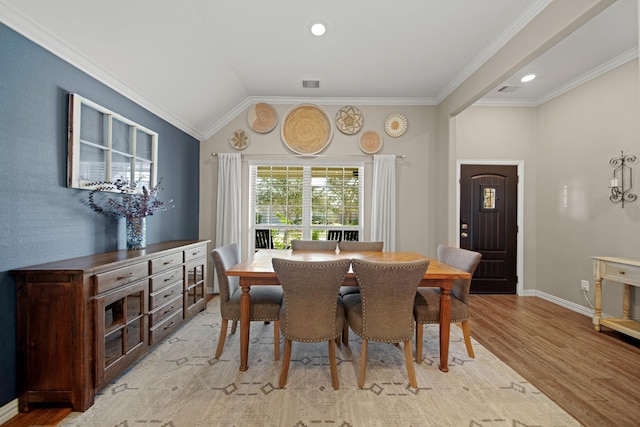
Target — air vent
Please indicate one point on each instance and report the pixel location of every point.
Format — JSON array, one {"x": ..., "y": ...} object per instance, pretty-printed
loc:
[
  {"x": 508, "y": 88},
  {"x": 311, "y": 84}
]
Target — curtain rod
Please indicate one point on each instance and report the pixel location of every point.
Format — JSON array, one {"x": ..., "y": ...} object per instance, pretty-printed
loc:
[{"x": 398, "y": 156}]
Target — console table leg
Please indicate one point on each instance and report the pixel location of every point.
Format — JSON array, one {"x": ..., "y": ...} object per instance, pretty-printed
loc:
[
  {"x": 625, "y": 302},
  {"x": 598, "y": 308}
]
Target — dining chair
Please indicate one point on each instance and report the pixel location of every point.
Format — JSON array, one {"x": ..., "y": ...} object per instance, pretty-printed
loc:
[
  {"x": 265, "y": 300},
  {"x": 383, "y": 310},
  {"x": 311, "y": 311},
  {"x": 349, "y": 245},
  {"x": 358, "y": 246},
  {"x": 427, "y": 302},
  {"x": 314, "y": 245},
  {"x": 264, "y": 239}
]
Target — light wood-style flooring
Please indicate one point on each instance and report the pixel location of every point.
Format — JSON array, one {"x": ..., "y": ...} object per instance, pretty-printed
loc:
[{"x": 594, "y": 376}]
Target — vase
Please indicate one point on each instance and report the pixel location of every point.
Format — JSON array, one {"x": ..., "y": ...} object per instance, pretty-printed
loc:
[{"x": 136, "y": 233}]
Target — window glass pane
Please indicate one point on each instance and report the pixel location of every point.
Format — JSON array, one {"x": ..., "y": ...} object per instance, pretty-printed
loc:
[
  {"x": 120, "y": 167},
  {"x": 143, "y": 173},
  {"x": 93, "y": 126},
  {"x": 93, "y": 164},
  {"x": 143, "y": 145},
  {"x": 121, "y": 136},
  {"x": 489, "y": 198}
]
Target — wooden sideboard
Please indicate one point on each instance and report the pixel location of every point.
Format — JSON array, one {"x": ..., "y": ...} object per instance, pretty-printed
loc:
[
  {"x": 82, "y": 322},
  {"x": 621, "y": 270}
]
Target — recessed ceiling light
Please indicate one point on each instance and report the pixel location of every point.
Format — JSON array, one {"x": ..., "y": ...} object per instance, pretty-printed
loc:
[
  {"x": 528, "y": 78},
  {"x": 318, "y": 29}
]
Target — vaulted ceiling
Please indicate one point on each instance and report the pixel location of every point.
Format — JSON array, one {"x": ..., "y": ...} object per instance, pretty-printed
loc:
[{"x": 198, "y": 63}]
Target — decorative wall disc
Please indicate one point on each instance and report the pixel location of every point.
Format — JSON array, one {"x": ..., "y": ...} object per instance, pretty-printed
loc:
[
  {"x": 262, "y": 118},
  {"x": 370, "y": 142},
  {"x": 395, "y": 125},
  {"x": 349, "y": 120},
  {"x": 306, "y": 129},
  {"x": 239, "y": 140}
]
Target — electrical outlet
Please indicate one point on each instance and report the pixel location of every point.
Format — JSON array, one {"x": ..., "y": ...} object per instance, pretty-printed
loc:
[{"x": 584, "y": 285}]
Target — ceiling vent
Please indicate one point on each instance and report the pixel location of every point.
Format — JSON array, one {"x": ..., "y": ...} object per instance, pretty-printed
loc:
[
  {"x": 311, "y": 84},
  {"x": 508, "y": 89}
]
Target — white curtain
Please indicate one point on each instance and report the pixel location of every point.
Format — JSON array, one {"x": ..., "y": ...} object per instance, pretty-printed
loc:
[
  {"x": 383, "y": 201},
  {"x": 229, "y": 202}
]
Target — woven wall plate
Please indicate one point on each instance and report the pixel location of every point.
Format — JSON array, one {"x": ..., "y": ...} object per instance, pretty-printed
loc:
[
  {"x": 262, "y": 118},
  {"x": 239, "y": 140},
  {"x": 395, "y": 125},
  {"x": 370, "y": 142},
  {"x": 306, "y": 129},
  {"x": 349, "y": 120}
]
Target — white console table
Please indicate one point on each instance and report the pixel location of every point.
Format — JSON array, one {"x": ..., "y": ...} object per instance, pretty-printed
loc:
[{"x": 622, "y": 270}]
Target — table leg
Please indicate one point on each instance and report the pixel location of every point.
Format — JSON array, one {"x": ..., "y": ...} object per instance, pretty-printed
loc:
[
  {"x": 445, "y": 328},
  {"x": 245, "y": 312},
  {"x": 626, "y": 301},
  {"x": 598, "y": 304}
]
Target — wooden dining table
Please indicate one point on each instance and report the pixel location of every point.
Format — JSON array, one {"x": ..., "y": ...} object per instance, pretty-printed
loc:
[{"x": 258, "y": 270}]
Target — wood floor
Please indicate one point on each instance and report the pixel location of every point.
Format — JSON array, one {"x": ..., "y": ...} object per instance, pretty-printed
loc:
[{"x": 593, "y": 376}]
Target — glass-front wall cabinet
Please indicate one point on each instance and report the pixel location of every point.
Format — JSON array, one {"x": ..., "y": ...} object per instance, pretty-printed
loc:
[{"x": 104, "y": 146}]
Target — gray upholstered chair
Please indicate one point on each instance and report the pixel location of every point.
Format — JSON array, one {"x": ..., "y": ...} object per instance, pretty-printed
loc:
[
  {"x": 427, "y": 303},
  {"x": 351, "y": 245},
  {"x": 311, "y": 311},
  {"x": 383, "y": 310},
  {"x": 265, "y": 300},
  {"x": 314, "y": 245}
]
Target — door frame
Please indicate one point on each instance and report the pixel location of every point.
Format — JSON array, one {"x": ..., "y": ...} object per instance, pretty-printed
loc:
[{"x": 520, "y": 216}]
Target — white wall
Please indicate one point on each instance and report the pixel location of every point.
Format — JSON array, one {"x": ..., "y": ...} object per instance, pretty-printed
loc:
[{"x": 413, "y": 198}]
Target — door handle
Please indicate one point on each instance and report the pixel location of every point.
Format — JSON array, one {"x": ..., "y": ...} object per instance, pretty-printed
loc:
[{"x": 464, "y": 235}]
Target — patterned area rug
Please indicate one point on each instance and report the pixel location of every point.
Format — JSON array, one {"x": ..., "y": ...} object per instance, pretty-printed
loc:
[{"x": 180, "y": 384}]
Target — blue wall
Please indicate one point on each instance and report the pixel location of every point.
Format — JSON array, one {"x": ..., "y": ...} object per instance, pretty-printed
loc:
[{"x": 42, "y": 220}]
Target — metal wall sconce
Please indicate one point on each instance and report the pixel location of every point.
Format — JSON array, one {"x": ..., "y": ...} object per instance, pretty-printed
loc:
[{"x": 622, "y": 181}]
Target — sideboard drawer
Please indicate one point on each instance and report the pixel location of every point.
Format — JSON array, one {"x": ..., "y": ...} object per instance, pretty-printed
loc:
[
  {"x": 115, "y": 278},
  {"x": 158, "y": 332},
  {"x": 158, "y": 315},
  {"x": 166, "y": 262},
  {"x": 165, "y": 294},
  {"x": 195, "y": 253},
  {"x": 621, "y": 273},
  {"x": 165, "y": 279}
]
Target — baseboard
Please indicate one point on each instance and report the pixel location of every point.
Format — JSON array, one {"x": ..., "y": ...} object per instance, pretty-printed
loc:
[
  {"x": 8, "y": 411},
  {"x": 564, "y": 303}
]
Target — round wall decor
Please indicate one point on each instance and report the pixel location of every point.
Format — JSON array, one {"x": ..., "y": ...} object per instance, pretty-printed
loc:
[
  {"x": 262, "y": 117},
  {"x": 395, "y": 125},
  {"x": 349, "y": 120},
  {"x": 370, "y": 142},
  {"x": 239, "y": 140},
  {"x": 306, "y": 129}
]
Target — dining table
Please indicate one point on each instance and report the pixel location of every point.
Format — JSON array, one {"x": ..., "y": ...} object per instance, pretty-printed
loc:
[{"x": 257, "y": 270}]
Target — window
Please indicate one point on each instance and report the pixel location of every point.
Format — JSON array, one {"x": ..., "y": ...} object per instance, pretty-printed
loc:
[
  {"x": 104, "y": 146},
  {"x": 305, "y": 202}
]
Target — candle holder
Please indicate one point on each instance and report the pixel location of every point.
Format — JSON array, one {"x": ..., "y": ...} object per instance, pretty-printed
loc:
[{"x": 622, "y": 181}]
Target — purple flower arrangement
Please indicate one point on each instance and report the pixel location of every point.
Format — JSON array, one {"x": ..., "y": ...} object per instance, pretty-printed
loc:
[{"x": 134, "y": 201}]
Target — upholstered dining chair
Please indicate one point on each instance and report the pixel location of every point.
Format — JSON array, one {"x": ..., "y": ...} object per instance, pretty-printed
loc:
[
  {"x": 265, "y": 300},
  {"x": 427, "y": 303},
  {"x": 314, "y": 245},
  {"x": 350, "y": 245},
  {"x": 383, "y": 310},
  {"x": 354, "y": 245},
  {"x": 311, "y": 311}
]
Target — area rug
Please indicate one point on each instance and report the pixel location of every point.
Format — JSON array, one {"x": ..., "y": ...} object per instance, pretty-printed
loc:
[{"x": 180, "y": 383}]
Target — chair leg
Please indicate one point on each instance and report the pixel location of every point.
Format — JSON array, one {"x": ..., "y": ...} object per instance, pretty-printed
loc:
[
  {"x": 467, "y": 338},
  {"x": 419, "y": 339},
  {"x": 411, "y": 371},
  {"x": 284, "y": 371},
  {"x": 234, "y": 325},
  {"x": 363, "y": 364},
  {"x": 345, "y": 334},
  {"x": 223, "y": 337},
  {"x": 333, "y": 365},
  {"x": 276, "y": 339}
]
